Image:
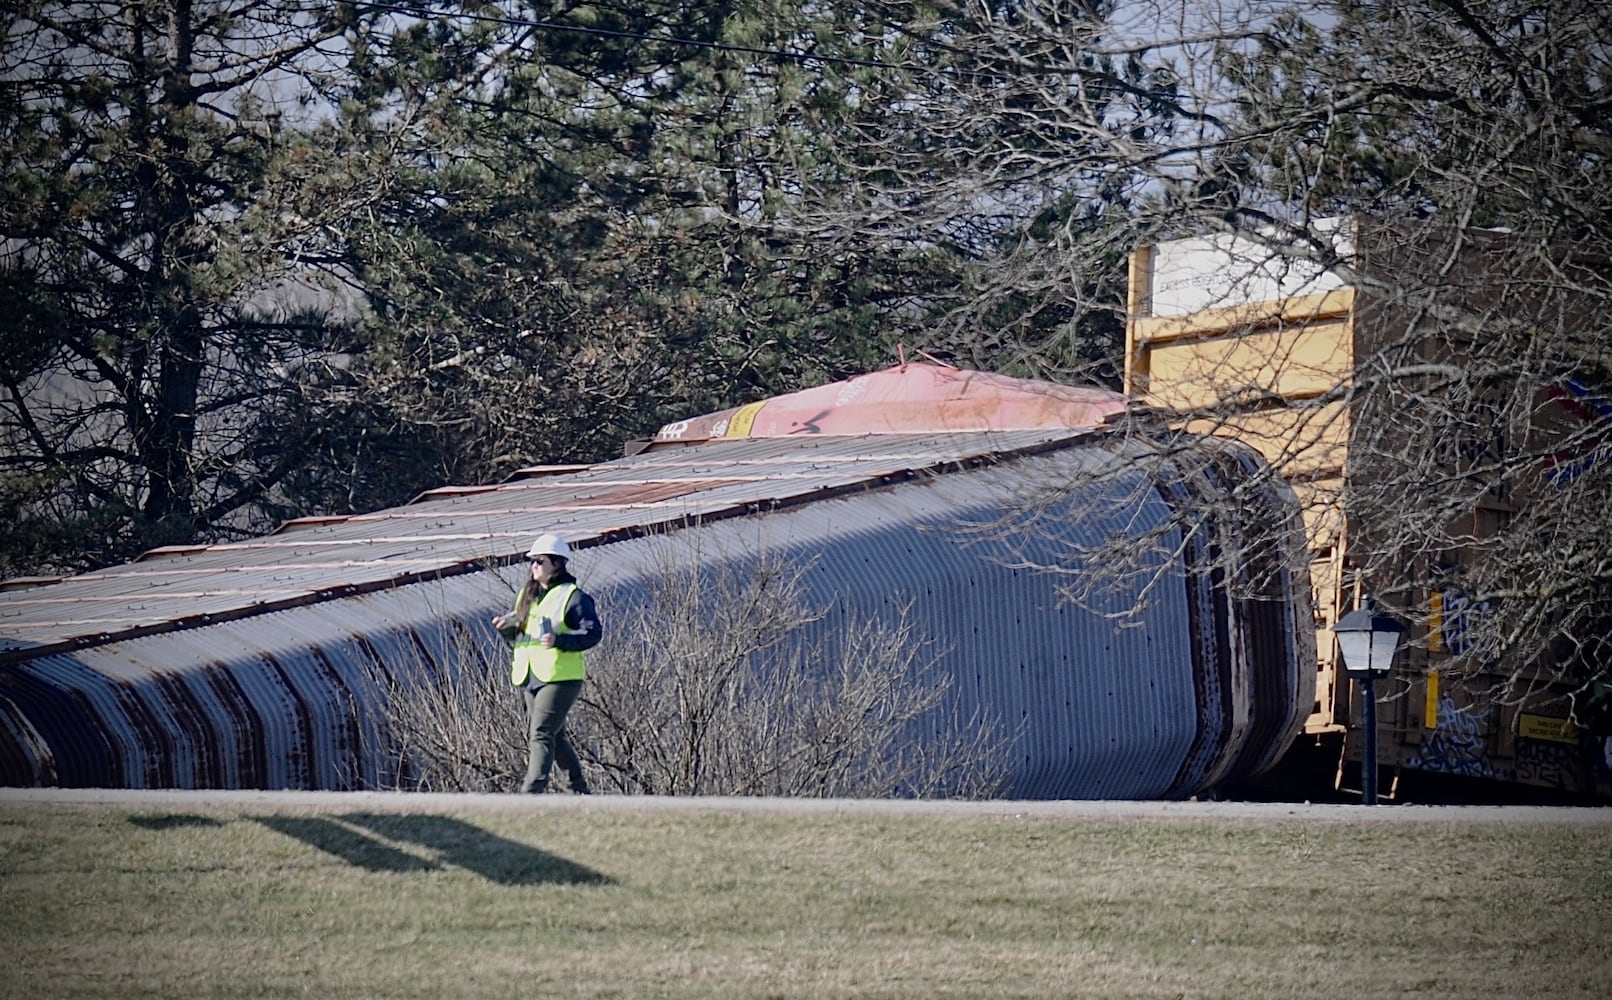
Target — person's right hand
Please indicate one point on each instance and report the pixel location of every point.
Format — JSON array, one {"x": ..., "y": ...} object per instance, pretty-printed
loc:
[{"x": 500, "y": 621}]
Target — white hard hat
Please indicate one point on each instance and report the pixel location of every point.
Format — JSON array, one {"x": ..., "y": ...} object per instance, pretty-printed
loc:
[{"x": 549, "y": 545}]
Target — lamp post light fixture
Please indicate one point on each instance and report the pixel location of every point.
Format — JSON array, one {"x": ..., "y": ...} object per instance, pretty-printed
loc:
[{"x": 1367, "y": 642}]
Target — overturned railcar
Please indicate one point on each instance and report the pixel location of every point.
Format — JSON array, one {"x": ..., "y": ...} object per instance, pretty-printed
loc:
[{"x": 969, "y": 499}]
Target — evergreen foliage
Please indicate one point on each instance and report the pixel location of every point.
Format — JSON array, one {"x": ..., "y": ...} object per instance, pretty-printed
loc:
[{"x": 274, "y": 257}]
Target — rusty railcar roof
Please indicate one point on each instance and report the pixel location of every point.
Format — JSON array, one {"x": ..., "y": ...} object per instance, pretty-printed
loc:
[
  {"x": 464, "y": 529},
  {"x": 905, "y": 399}
]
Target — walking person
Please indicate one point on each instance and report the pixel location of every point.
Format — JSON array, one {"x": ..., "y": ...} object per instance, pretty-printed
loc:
[{"x": 554, "y": 623}]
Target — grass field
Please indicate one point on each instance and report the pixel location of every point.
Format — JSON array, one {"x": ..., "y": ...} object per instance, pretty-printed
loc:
[{"x": 589, "y": 901}]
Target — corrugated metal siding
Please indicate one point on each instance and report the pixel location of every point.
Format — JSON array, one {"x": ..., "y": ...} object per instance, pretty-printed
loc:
[
  {"x": 284, "y": 700},
  {"x": 1099, "y": 711},
  {"x": 1274, "y": 629},
  {"x": 1201, "y": 688}
]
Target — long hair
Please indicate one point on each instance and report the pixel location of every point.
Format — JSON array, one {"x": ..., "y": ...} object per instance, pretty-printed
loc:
[{"x": 531, "y": 590}]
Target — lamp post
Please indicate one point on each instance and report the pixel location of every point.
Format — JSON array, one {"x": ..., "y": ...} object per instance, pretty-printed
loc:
[{"x": 1367, "y": 642}]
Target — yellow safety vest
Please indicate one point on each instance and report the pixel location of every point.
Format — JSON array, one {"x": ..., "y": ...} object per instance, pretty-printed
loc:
[{"x": 546, "y": 663}]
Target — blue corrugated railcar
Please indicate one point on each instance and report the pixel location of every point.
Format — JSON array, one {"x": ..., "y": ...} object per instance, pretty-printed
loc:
[{"x": 247, "y": 664}]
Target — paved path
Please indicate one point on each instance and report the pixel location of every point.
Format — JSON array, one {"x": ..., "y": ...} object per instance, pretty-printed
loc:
[{"x": 412, "y": 802}]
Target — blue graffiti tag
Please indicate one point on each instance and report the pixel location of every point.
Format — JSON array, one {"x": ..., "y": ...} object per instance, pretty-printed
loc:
[
  {"x": 1456, "y": 746},
  {"x": 1463, "y": 621},
  {"x": 1574, "y": 396}
]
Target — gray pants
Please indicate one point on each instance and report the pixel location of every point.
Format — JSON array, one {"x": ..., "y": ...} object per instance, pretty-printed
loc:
[{"x": 546, "y": 707}]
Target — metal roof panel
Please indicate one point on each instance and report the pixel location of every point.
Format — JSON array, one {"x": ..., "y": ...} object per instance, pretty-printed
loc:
[{"x": 459, "y": 532}]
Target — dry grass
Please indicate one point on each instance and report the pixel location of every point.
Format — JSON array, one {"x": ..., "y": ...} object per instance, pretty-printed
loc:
[{"x": 117, "y": 902}]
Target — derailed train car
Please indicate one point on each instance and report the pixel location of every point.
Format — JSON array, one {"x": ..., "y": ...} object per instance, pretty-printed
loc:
[{"x": 968, "y": 498}]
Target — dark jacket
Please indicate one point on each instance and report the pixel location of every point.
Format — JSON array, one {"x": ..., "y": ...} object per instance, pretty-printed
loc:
[{"x": 581, "y": 621}]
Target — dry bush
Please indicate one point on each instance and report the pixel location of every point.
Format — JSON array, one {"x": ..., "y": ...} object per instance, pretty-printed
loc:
[
  {"x": 718, "y": 689},
  {"x": 452, "y": 721},
  {"x": 716, "y": 685}
]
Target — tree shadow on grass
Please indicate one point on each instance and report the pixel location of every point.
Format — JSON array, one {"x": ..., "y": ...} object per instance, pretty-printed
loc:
[{"x": 357, "y": 838}]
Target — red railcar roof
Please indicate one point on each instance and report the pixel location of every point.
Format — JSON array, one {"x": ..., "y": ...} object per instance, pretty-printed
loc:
[{"x": 906, "y": 399}]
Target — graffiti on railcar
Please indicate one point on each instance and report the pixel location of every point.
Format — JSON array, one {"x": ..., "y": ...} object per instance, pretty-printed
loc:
[
  {"x": 1456, "y": 623},
  {"x": 1553, "y": 765},
  {"x": 1458, "y": 744}
]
